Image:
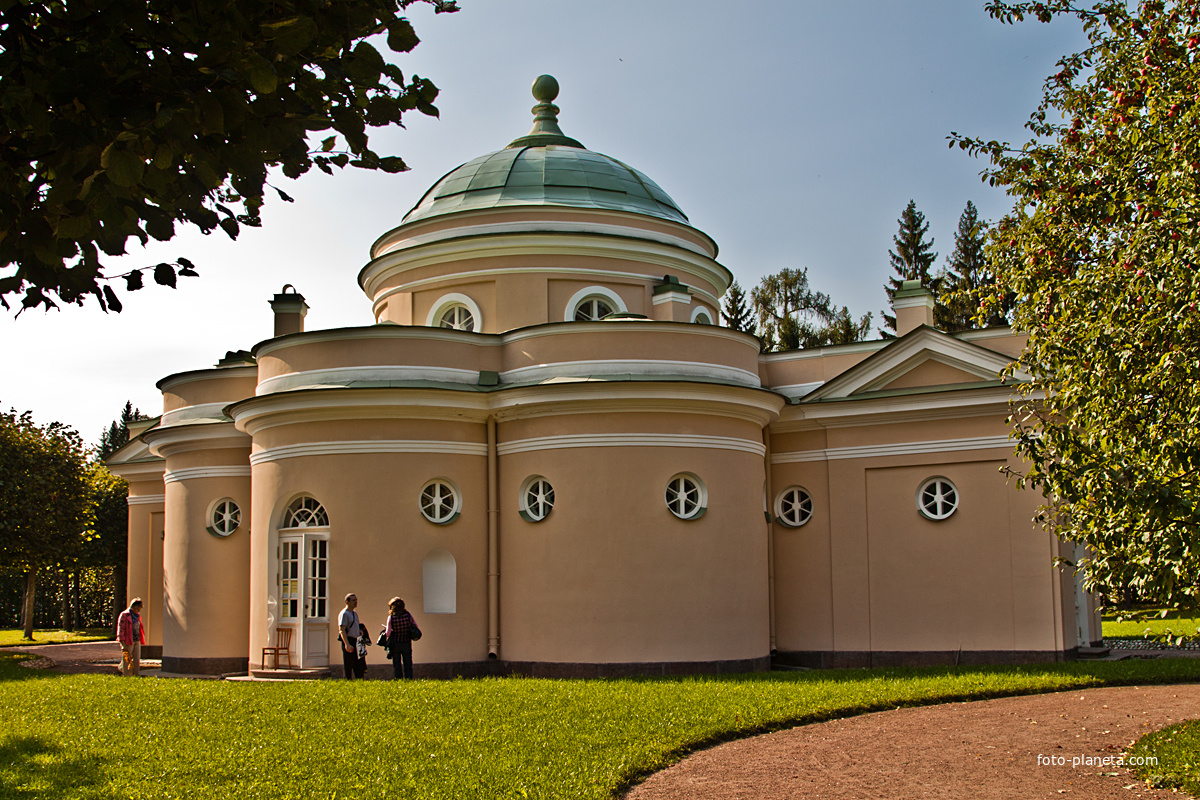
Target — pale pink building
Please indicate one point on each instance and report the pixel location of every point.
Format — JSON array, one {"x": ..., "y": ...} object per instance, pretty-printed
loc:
[{"x": 547, "y": 445}]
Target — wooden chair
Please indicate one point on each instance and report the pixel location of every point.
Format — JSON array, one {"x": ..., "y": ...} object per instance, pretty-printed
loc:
[{"x": 283, "y": 647}]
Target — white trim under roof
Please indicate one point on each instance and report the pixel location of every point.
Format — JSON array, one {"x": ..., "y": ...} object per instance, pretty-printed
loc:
[
  {"x": 372, "y": 446},
  {"x": 895, "y": 449},
  {"x": 631, "y": 440}
]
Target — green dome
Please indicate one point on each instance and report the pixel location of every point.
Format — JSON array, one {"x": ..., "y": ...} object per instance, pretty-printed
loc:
[
  {"x": 551, "y": 175},
  {"x": 546, "y": 168}
]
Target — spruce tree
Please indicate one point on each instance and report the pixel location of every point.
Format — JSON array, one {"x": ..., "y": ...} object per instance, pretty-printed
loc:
[
  {"x": 117, "y": 434},
  {"x": 966, "y": 273},
  {"x": 911, "y": 260},
  {"x": 736, "y": 314}
]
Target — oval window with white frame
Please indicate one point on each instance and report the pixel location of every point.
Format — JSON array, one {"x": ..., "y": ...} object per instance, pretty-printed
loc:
[
  {"x": 455, "y": 311},
  {"x": 794, "y": 506},
  {"x": 224, "y": 518},
  {"x": 593, "y": 303},
  {"x": 686, "y": 496},
  {"x": 440, "y": 501},
  {"x": 937, "y": 498},
  {"x": 537, "y": 499}
]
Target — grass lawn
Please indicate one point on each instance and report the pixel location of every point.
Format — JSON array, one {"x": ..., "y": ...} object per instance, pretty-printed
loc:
[
  {"x": 13, "y": 638},
  {"x": 1147, "y": 622},
  {"x": 1178, "y": 751},
  {"x": 90, "y": 736}
]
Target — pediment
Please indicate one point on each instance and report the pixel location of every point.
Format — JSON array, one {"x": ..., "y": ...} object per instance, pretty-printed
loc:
[
  {"x": 135, "y": 450},
  {"x": 923, "y": 359}
]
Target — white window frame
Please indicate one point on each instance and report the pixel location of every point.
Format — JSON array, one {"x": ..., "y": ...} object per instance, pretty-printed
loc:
[
  {"x": 679, "y": 505},
  {"x": 703, "y": 311},
  {"x": 794, "y": 511},
  {"x": 608, "y": 295},
  {"x": 542, "y": 505},
  {"x": 316, "y": 517},
  {"x": 943, "y": 509},
  {"x": 219, "y": 516},
  {"x": 448, "y": 301},
  {"x": 456, "y": 504}
]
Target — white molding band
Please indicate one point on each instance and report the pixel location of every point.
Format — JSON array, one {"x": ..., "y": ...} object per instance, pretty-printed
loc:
[
  {"x": 341, "y": 376},
  {"x": 629, "y": 366},
  {"x": 145, "y": 499},
  {"x": 898, "y": 449},
  {"x": 672, "y": 297},
  {"x": 202, "y": 412},
  {"x": 630, "y": 440},
  {"x": 369, "y": 446},
  {"x": 796, "y": 389},
  {"x": 193, "y": 473}
]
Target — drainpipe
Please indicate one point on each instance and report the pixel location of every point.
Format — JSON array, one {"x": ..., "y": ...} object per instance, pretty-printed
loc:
[
  {"x": 493, "y": 552},
  {"x": 770, "y": 490}
]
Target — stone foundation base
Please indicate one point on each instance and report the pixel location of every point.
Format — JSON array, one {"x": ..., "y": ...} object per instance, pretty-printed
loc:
[
  {"x": 534, "y": 669},
  {"x": 827, "y": 659},
  {"x": 204, "y": 666}
]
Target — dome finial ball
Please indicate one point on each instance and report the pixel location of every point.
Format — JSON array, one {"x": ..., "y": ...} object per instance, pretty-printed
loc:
[{"x": 545, "y": 88}]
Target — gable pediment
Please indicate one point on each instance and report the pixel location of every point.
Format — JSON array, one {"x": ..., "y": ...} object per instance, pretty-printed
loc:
[{"x": 925, "y": 358}]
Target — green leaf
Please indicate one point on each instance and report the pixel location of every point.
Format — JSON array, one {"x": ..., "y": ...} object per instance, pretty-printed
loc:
[
  {"x": 292, "y": 35},
  {"x": 261, "y": 74},
  {"x": 123, "y": 167},
  {"x": 164, "y": 275},
  {"x": 401, "y": 36}
]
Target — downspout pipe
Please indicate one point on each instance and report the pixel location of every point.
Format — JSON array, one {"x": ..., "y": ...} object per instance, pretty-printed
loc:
[
  {"x": 767, "y": 512},
  {"x": 493, "y": 543}
]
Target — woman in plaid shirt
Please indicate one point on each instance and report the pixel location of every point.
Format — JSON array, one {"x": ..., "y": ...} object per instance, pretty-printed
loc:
[{"x": 400, "y": 631}]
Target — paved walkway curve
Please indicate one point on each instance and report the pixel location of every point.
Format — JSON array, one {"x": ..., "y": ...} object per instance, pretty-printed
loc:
[{"x": 1006, "y": 748}]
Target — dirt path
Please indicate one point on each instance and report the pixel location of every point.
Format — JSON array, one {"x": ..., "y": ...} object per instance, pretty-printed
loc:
[{"x": 1007, "y": 748}]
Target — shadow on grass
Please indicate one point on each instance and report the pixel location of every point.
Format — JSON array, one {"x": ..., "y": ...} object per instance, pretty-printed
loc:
[
  {"x": 31, "y": 766},
  {"x": 10, "y": 670}
]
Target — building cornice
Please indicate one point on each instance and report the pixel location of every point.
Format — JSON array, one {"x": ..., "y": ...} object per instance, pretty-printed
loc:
[
  {"x": 894, "y": 449},
  {"x": 631, "y": 440},
  {"x": 373, "y": 446},
  {"x": 166, "y": 442}
]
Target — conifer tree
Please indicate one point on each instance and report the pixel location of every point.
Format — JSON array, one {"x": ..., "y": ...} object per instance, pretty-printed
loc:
[
  {"x": 736, "y": 314},
  {"x": 117, "y": 434},
  {"x": 911, "y": 260},
  {"x": 966, "y": 275}
]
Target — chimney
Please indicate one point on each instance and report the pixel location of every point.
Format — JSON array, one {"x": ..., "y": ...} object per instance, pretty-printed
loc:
[
  {"x": 914, "y": 307},
  {"x": 289, "y": 308}
]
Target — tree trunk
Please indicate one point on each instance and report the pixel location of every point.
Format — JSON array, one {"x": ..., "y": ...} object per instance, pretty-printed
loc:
[
  {"x": 64, "y": 599},
  {"x": 118, "y": 596},
  {"x": 30, "y": 595},
  {"x": 77, "y": 615}
]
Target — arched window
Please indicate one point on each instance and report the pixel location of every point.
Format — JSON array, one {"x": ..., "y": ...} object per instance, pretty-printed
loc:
[
  {"x": 686, "y": 496},
  {"x": 457, "y": 317},
  {"x": 457, "y": 312},
  {"x": 937, "y": 498},
  {"x": 794, "y": 506},
  {"x": 591, "y": 309},
  {"x": 306, "y": 512},
  {"x": 701, "y": 316},
  {"x": 593, "y": 303},
  {"x": 439, "y": 578}
]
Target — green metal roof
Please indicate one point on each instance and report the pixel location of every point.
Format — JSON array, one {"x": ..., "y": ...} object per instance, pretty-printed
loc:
[{"x": 546, "y": 168}]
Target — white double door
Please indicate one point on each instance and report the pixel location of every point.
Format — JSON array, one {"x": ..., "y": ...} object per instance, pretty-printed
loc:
[{"x": 304, "y": 595}]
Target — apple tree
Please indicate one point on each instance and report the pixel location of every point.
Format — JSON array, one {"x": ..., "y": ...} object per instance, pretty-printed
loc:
[
  {"x": 1101, "y": 253},
  {"x": 122, "y": 119}
]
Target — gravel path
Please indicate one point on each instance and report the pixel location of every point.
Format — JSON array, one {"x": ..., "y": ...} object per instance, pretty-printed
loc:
[{"x": 1006, "y": 748}]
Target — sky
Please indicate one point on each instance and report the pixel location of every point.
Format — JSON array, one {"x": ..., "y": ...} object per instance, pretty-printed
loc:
[{"x": 793, "y": 132}]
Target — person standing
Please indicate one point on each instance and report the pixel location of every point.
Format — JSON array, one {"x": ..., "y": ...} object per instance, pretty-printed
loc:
[
  {"x": 401, "y": 631},
  {"x": 353, "y": 665},
  {"x": 132, "y": 636}
]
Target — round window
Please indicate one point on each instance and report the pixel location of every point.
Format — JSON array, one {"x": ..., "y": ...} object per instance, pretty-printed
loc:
[
  {"x": 457, "y": 317},
  {"x": 686, "y": 496},
  {"x": 537, "y": 499},
  {"x": 937, "y": 498},
  {"x": 593, "y": 308},
  {"x": 794, "y": 506},
  {"x": 225, "y": 518},
  {"x": 440, "y": 501}
]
